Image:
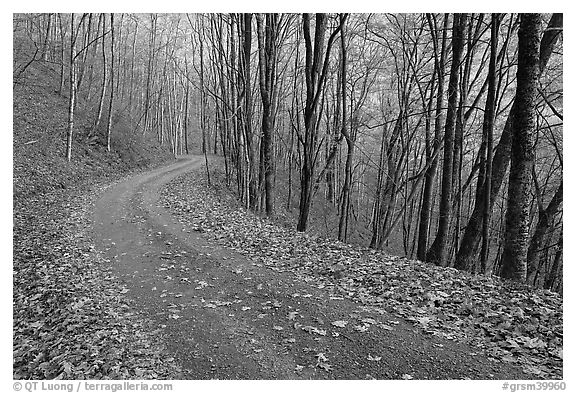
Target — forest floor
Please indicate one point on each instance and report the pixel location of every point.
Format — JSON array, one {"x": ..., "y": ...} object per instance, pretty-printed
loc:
[
  {"x": 158, "y": 275},
  {"x": 70, "y": 319},
  {"x": 232, "y": 296}
]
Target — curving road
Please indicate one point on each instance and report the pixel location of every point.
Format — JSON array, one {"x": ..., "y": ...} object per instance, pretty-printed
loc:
[{"x": 223, "y": 317}]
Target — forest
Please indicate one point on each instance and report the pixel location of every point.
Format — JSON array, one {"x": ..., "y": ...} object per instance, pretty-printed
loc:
[
  {"x": 288, "y": 196},
  {"x": 434, "y": 136}
]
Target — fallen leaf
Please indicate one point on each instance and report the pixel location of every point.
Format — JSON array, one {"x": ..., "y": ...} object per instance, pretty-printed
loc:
[
  {"x": 292, "y": 315},
  {"x": 321, "y": 357},
  {"x": 340, "y": 324}
]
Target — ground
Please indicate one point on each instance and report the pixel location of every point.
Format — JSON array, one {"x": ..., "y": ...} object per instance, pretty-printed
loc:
[{"x": 222, "y": 314}]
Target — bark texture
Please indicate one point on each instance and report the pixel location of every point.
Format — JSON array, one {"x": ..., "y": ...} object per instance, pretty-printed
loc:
[{"x": 522, "y": 150}]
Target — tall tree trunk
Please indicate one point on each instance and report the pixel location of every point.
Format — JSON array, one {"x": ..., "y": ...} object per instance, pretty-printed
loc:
[
  {"x": 72, "y": 97},
  {"x": 316, "y": 67},
  {"x": 488, "y": 136},
  {"x": 150, "y": 70},
  {"x": 514, "y": 257},
  {"x": 267, "y": 37},
  {"x": 430, "y": 176},
  {"x": 132, "y": 66},
  {"x": 312, "y": 70},
  {"x": 438, "y": 252},
  {"x": 350, "y": 139},
  {"x": 111, "y": 102},
  {"x": 104, "y": 78},
  {"x": 86, "y": 42},
  {"x": 45, "y": 46},
  {"x": 186, "y": 105},
  {"x": 248, "y": 132},
  {"x": 62, "y": 53}
]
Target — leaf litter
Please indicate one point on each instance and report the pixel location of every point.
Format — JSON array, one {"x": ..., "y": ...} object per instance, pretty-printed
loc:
[
  {"x": 506, "y": 320},
  {"x": 71, "y": 317}
]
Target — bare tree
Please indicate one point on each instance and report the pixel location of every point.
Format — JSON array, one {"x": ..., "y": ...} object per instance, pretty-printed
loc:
[
  {"x": 315, "y": 71},
  {"x": 111, "y": 102},
  {"x": 438, "y": 252},
  {"x": 514, "y": 258}
]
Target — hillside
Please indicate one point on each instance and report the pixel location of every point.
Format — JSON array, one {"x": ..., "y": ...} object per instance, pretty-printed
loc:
[
  {"x": 509, "y": 323},
  {"x": 55, "y": 273},
  {"x": 39, "y": 140}
]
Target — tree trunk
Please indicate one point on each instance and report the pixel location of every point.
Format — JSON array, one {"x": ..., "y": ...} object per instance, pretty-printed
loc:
[
  {"x": 267, "y": 36},
  {"x": 350, "y": 141},
  {"x": 553, "y": 274},
  {"x": 104, "y": 79},
  {"x": 62, "y": 53},
  {"x": 488, "y": 135},
  {"x": 514, "y": 257},
  {"x": 186, "y": 105},
  {"x": 471, "y": 239},
  {"x": 545, "y": 219},
  {"x": 248, "y": 133},
  {"x": 72, "y": 98},
  {"x": 111, "y": 103},
  {"x": 312, "y": 70},
  {"x": 438, "y": 251},
  {"x": 430, "y": 176},
  {"x": 46, "y": 45},
  {"x": 316, "y": 67}
]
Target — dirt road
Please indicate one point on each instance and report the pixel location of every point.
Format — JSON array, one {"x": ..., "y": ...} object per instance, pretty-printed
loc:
[{"x": 223, "y": 317}]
